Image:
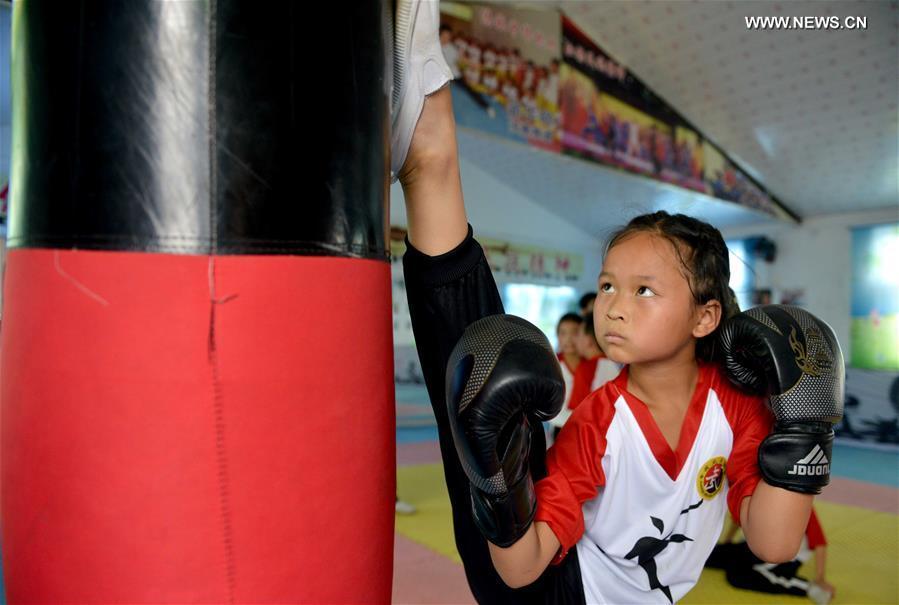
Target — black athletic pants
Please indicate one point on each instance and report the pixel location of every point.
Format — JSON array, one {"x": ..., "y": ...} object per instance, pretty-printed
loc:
[
  {"x": 744, "y": 570},
  {"x": 446, "y": 294}
]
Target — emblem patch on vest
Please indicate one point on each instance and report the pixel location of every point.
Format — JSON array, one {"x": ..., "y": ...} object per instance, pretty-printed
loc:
[{"x": 711, "y": 477}]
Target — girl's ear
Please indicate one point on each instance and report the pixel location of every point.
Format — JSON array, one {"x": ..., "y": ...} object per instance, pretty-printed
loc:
[{"x": 707, "y": 319}]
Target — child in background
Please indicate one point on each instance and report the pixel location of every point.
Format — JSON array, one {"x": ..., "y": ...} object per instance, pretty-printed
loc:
[
  {"x": 450, "y": 50},
  {"x": 585, "y": 304},
  {"x": 569, "y": 359},
  {"x": 596, "y": 369},
  {"x": 744, "y": 570}
]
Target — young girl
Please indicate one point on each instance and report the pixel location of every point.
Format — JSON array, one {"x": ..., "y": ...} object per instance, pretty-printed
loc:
[
  {"x": 633, "y": 495},
  {"x": 569, "y": 361}
]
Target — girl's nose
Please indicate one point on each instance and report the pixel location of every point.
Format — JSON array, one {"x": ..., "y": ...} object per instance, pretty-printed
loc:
[{"x": 615, "y": 308}]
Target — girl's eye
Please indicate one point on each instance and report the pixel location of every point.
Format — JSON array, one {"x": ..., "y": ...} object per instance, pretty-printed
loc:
[
  {"x": 645, "y": 292},
  {"x": 606, "y": 287}
]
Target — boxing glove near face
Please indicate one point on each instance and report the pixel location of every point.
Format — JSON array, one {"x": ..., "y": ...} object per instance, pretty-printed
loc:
[
  {"x": 502, "y": 372},
  {"x": 791, "y": 357}
]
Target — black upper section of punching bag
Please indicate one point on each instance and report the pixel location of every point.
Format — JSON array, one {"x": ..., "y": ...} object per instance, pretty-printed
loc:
[{"x": 218, "y": 126}]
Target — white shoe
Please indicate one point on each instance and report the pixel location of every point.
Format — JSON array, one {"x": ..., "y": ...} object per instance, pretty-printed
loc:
[
  {"x": 818, "y": 594},
  {"x": 404, "y": 508},
  {"x": 419, "y": 69}
]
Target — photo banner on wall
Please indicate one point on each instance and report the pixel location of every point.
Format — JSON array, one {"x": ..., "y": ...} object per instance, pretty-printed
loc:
[
  {"x": 608, "y": 116},
  {"x": 727, "y": 182},
  {"x": 611, "y": 117},
  {"x": 514, "y": 262},
  {"x": 506, "y": 66},
  {"x": 531, "y": 75}
]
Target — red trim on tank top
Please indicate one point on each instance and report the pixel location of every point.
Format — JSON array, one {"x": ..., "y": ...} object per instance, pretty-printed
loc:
[{"x": 671, "y": 461}]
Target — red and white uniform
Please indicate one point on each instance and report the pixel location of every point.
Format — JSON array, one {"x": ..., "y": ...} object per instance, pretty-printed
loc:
[
  {"x": 568, "y": 377},
  {"x": 590, "y": 375},
  {"x": 644, "y": 518}
]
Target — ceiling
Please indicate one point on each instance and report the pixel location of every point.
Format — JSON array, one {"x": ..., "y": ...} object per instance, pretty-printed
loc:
[{"x": 811, "y": 114}]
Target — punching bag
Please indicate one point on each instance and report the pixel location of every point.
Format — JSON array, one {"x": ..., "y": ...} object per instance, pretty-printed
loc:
[{"x": 197, "y": 387}]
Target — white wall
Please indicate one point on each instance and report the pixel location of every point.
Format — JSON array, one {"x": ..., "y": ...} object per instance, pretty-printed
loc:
[
  {"x": 497, "y": 211},
  {"x": 816, "y": 256}
]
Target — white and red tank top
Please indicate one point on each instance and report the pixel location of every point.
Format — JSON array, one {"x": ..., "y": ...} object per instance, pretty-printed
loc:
[{"x": 644, "y": 517}]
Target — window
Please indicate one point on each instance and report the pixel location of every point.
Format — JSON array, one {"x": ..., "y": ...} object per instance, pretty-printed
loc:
[
  {"x": 543, "y": 306},
  {"x": 875, "y": 297},
  {"x": 741, "y": 271}
]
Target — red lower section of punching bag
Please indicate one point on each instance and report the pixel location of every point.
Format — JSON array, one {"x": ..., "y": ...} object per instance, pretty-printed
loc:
[{"x": 196, "y": 429}]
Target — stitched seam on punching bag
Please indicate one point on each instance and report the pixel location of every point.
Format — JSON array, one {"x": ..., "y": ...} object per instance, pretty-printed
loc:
[
  {"x": 218, "y": 397},
  {"x": 220, "y": 443}
]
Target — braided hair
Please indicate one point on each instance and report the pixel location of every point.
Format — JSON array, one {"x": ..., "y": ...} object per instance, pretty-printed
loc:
[{"x": 702, "y": 253}]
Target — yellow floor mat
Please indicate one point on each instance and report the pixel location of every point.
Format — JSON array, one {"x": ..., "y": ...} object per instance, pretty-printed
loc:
[
  {"x": 424, "y": 487},
  {"x": 863, "y": 551}
]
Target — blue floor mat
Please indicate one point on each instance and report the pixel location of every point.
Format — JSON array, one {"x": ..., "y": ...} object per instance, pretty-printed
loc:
[{"x": 866, "y": 464}]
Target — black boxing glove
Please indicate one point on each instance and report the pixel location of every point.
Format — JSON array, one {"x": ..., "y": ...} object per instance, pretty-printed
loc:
[
  {"x": 790, "y": 356},
  {"x": 502, "y": 372}
]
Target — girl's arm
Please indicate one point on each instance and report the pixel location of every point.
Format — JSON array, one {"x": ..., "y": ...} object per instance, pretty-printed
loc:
[
  {"x": 523, "y": 562},
  {"x": 793, "y": 358},
  {"x": 574, "y": 476},
  {"x": 774, "y": 521},
  {"x": 820, "y": 564},
  {"x": 821, "y": 570}
]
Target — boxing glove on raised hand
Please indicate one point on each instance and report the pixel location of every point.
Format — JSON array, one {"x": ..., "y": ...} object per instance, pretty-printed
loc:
[
  {"x": 790, "y": 356},
  {"x": 501, "y": 373}
]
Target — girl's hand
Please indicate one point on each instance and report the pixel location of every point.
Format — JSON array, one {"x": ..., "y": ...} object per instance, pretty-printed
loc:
[{"x": 826, "y": 586}]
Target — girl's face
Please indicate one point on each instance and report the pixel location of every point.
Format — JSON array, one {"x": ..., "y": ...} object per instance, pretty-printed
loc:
[
  {"x": 567, "y": 334},
  {"x": 644, "y": 309}
]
